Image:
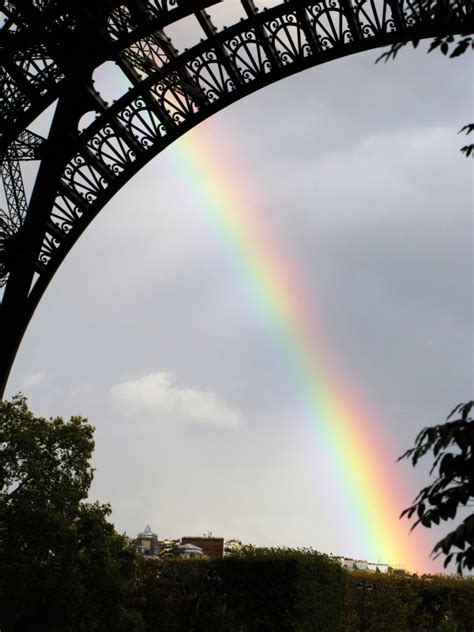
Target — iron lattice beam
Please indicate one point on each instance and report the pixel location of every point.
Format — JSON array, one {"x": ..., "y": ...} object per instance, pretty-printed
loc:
[
  {"x": 44, "y": 46},
  {"x": 50, "y": 50},
  {"x": 25, "y": 147}
]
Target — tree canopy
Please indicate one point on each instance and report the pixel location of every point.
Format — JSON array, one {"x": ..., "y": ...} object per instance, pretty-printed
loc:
[
  {"x": 62, "y": 565},
  {"x": 63, "y": 568}
]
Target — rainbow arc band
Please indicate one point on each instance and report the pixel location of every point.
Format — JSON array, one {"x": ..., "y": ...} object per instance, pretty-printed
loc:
[
  {"x": 368, "y": 476},
  {"x": 169, "y": 93}
]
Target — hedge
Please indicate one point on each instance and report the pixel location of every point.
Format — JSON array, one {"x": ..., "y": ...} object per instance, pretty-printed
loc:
[{"x": 282, "y": 590}]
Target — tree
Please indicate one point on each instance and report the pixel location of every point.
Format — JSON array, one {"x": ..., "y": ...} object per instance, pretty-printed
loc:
[
  {"x": 452, "y": 446},
  {"x": 454, "y": 485},
  {"x": 449, "y": 46},
  {"x": 62, "y": 565},
  {"x": 462, "y": 45}
]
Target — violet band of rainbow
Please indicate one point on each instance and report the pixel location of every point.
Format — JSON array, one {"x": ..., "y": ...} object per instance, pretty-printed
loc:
[{"x": 352, "y": 435}]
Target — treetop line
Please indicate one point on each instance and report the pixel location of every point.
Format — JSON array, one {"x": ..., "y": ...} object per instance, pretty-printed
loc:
[{"x": 49, "y": 52}]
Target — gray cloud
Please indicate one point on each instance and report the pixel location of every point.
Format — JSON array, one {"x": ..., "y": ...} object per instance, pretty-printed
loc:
[
  {"x": 156, "y": 394},
  {"x": 34, "y": 380}
]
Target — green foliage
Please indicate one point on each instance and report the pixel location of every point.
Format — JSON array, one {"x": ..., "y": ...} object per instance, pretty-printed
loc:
[
  {"x": 450, "y": 47},
  {"x": 468, "y": 149},
  {"x": 454, "y": 485},
  {"x": 446, "y": 604},
  {"x": 390, "y": 605},
  {"x": 62, "y": 566},
  {"x": 42, "y": 459},
  {"x": 405, "y": 604},
  {"x": 444, "y": 44},
  {"x": 264, "y": 589},
  {"x": 452, "y": 447},
  {"x": 301, "y": 591}
]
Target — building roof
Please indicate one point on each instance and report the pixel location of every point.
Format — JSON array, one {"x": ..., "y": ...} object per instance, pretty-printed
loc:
[
  {"x": 148, "y": 533},
  {"x": 190, "y": 547}
]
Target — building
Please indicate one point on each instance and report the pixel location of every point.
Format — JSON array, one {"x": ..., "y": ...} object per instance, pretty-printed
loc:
[
  {"x": 362, "y": 565},
  {"x": 147, "y": 543},
  {"x": 189, "y": 550},
  {"x": 377, "y": 567},
  {"x": 168, "y": 547},
  {"x": 347, "y": 563},
  {"x": 400, "y": 572},
  {"x": 211, "y": 547}
]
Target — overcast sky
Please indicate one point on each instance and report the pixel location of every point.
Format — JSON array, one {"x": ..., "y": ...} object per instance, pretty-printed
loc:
[{"x": 146, "y": 329}]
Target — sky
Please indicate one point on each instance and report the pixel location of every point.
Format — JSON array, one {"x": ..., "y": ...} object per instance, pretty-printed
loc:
[{"x": 152, "y": 331}]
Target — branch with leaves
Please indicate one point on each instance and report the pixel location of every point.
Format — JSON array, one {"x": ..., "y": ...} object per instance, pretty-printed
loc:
[
  {"x": 451, "y": 47},
  {"x": 452, "y": 446},
  {"x": 468, "y": 149}
]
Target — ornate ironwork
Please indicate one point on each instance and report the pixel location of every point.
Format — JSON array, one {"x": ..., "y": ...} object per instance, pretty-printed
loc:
[{"x": 50, "y": 50}]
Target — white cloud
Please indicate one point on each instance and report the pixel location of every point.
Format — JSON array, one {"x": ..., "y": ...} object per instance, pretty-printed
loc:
[
  {"x": 34, "y": 379},
  {"x": 156, "y": 393}
]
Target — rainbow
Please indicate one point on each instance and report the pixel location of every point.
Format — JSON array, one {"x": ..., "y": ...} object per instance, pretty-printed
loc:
[{"x": 351, "y": 434}]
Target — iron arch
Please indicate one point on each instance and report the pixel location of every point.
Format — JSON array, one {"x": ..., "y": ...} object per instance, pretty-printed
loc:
[{"x": 51, "y": 49}]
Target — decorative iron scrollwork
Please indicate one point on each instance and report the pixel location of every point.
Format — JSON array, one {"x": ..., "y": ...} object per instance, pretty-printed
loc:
[
  {"x": 66, "y": 212},
  {"x": 49, "y": 247},
  {"x": 374, "y": 18},
  {"x": 330, "y": 24},
  {"x": 111, "y": 150},
  {"x": 144, "y": 124},
  {"x": 288, "y": 38},
  {"x": 248, "y": 55},
  {"x": 172, "y": 99},
  {"x": 83, "y": 178},
  {"x": 172, "y": 89},
  {"x": 169, "y": 93}
]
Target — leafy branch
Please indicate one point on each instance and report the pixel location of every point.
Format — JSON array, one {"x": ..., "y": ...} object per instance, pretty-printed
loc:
[
  {"x": 467, "y": 149},
  {"x": 452, "y": 446},
  {"x": 449, "y": 47}
]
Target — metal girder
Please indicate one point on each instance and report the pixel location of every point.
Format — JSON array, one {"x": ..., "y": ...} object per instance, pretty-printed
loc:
[
  {"x": 14, "y": 191},
  {"x": 43, "y": 44},
  {"x": 25, "y": 147},
  {"x": 49, "y": 51}
]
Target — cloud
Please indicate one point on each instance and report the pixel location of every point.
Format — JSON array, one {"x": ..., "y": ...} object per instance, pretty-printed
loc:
[
  {"x": 156, "y": 393},
  {"x": 34, "y": 379}
]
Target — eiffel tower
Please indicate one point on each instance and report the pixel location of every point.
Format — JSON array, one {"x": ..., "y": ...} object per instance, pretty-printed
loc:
[{"x": 50, "y": 51}]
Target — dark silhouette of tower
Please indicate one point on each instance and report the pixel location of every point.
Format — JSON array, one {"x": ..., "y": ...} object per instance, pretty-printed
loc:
[{"x": 51, "y": 51}]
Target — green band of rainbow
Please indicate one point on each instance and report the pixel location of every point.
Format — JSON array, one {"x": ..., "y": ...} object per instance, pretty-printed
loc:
[{"x": 351, "y": 435}]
